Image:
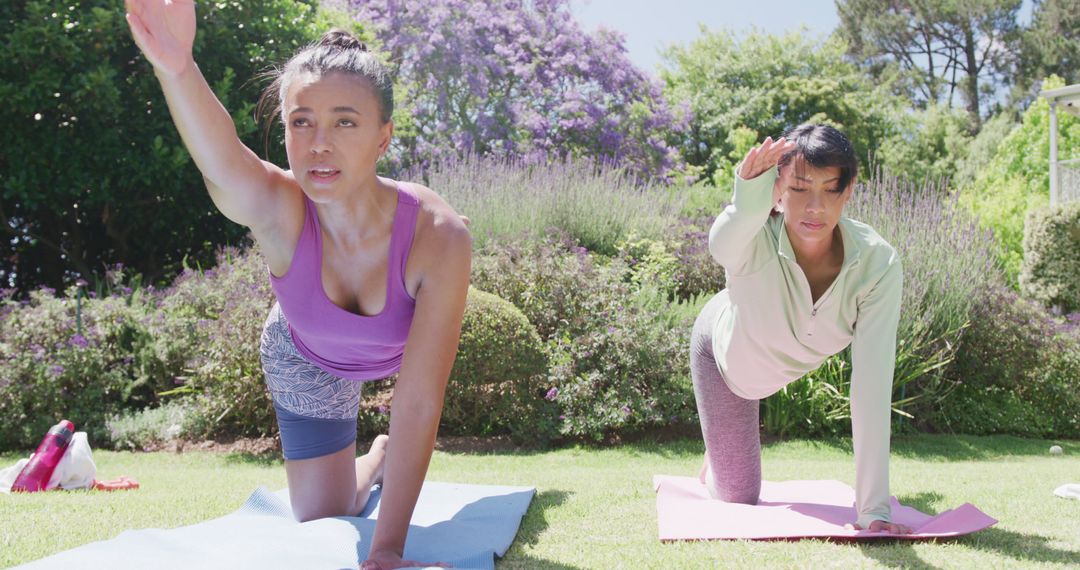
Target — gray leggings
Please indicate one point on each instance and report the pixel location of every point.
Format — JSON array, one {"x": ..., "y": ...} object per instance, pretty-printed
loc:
[{"x": 729, "y": 423}]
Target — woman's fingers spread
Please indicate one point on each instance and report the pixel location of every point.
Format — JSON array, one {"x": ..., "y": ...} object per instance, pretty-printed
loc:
[
  {"x": 782, "y": 146},
  {"x": 747, "y": 169},
  {"x": 764, "y": 156},
  {"x": 138, "y": 31}
]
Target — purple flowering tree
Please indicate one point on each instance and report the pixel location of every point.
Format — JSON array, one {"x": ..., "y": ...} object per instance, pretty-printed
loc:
[{"x": 519, "y": 78}]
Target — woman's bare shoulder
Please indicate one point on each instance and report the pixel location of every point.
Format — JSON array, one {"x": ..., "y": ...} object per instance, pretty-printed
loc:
[
  {"x": 438, "y": 225},
  {"x": 436, "y": 213}
]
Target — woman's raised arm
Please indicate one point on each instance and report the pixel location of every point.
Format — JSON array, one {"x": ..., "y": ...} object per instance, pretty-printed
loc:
[
  {"x": 243, "y": 186},
  {"x": 755, "y": 194}
]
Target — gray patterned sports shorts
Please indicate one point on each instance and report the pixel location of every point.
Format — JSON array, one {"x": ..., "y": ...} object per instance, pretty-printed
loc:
[{"x": 316, "y": 411}]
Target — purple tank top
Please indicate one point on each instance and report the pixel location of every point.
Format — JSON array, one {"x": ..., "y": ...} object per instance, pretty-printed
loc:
[{"x": 345, "y": 344}]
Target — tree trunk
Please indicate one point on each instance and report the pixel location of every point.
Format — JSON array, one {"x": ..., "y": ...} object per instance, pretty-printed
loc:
[{"x": 971, "y": 83}]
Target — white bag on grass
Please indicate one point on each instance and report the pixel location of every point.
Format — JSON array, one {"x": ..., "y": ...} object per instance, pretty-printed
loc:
[
  {"x": 76, "y": 469},
  {"x": 1068, "y": 491}
]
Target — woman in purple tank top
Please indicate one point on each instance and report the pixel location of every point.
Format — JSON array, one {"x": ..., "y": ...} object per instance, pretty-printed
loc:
[{"x": 370, "y": 274}]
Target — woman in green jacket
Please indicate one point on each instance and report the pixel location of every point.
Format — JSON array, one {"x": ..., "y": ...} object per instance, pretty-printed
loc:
[{"x": 803, "y": 283}]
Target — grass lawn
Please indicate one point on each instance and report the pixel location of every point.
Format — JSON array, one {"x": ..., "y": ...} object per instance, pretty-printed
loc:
[{"x": 595, "y": 507}]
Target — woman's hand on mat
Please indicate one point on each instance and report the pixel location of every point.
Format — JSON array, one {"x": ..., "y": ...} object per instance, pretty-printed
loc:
[
  {"x": 386, "y": 560},
  {"x": 164, "y": 30},
  {"x": 882, "y": 526},
  {"x": 761, "y": 158}
]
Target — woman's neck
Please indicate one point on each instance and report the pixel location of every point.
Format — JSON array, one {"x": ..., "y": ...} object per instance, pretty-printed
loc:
[
  {"x": 369, "y": 209},
  {"x": 815, "y": 253}
]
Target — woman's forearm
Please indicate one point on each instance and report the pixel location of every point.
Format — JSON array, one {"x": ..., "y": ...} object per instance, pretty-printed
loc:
[{"x": 413, "y": 426}]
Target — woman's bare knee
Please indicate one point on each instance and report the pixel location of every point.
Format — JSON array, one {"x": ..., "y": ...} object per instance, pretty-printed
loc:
[{"x": 324, "y": 486}]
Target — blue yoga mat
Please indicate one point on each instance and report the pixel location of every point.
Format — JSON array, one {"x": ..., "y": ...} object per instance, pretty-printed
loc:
[{"x": 465, "y": 525}]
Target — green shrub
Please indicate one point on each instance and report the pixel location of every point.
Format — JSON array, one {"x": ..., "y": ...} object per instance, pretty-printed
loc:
[
  {"x": 986, "y": 410},
  {"x": 624, "y": 378},
  {"x": 1050, "y": 273},
  {"x": 560, "y": 287},
  {"x": 928, "y": 143},
  {"x": 227, "y": 306},
  {"x": 649, "y": 262},
  {"x": 48, "y": 370},
  {"x": 152, "y": 427},
  {"x": 1017, "y": 178},
  {"x": 1055, "y": 388},
  {"x": 1016, "y": 372},
  {"x": 78, "y": 92},
  {"x": 498, "y": 383},
  {"x": 1007, "y": 339},
  {"x": 618, "y": 354}
]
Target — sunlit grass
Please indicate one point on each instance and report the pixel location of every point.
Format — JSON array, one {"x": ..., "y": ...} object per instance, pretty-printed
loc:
[{"x": 595, "y": 507}]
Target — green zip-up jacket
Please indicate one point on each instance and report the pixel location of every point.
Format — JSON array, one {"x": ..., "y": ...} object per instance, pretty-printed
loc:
[{"x": 770, "y": 333}]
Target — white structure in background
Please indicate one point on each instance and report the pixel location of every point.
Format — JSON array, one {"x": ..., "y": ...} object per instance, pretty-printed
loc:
[{"x": 1069, "y": 100}]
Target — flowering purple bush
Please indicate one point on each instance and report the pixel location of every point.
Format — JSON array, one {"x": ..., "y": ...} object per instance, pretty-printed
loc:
[
  {"x": 522, "y": 79},
  {"x": 696, "y": 272},
  {"x": 82, "y": 360},
  {"x": 226, "y": 308}
]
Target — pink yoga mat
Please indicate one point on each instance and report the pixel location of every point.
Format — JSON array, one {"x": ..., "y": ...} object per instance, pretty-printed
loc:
[{"x": 791, "y": 509}]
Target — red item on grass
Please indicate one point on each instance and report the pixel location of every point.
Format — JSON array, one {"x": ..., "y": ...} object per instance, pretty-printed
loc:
[{"x": 121, "y": 484}]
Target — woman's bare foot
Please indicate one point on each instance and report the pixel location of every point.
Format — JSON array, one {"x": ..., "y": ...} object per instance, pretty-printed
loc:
[
  {"x": 704, "y": 469},
  {"x": 369, "y": 470},
  {"x": 375, "y": 460}
]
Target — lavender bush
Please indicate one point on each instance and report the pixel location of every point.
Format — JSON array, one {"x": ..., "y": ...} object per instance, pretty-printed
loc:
[
  {"x": 519, "y": 79},
  {"x": 596, "y": 204},
  {"x": 227, "y": 307},
  {"x": 949, "y": 265}
]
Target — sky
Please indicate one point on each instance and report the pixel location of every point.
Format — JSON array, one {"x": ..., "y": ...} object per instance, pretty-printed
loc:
[{"x": 651, "y": 25}]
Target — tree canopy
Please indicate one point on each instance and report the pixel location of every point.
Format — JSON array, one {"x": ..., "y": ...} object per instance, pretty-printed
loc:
[
  {"x": 744, "y": 88},
  {"x": 942, "y": 48},
  {"x": 93, "y": 171},
  {"x": 1050, "y": 45}
]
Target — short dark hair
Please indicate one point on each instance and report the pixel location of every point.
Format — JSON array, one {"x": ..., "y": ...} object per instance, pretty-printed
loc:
[
  {"x": 336, "y": 51},
  {"x": 822, "y": 146}
]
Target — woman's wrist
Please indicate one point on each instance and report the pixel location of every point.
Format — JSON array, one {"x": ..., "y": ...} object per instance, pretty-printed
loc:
[
  {"x": 376, "y": 549},
  {"x": 164, "y": 75},
  {"x": 384, "y": 541}
]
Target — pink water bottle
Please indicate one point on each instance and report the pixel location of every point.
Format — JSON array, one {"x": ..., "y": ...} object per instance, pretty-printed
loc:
[{"x": 35, "y": 475}]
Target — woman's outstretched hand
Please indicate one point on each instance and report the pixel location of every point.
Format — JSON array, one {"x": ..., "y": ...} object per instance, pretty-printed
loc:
[
  {"x": 390, "y": 561},
  {"x": 764, "y": 157},
  {"x": 164, "y": 30},
  {"x": 882, "y": 526}
]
